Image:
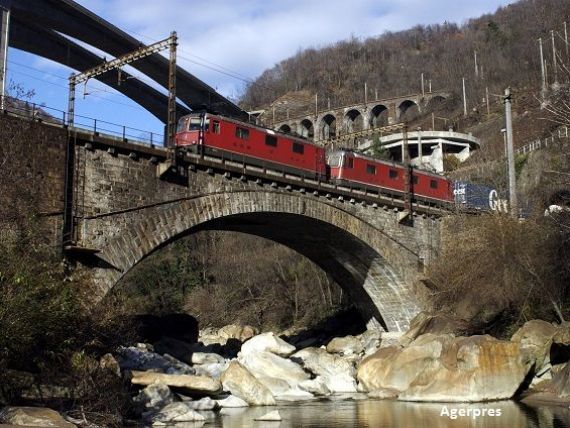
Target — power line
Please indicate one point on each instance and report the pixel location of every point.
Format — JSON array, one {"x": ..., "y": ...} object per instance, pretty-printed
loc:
[{"x": 65, "y": 87}]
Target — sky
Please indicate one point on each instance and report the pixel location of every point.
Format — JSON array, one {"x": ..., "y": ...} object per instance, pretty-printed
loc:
[{"x": 226, "y": 43}]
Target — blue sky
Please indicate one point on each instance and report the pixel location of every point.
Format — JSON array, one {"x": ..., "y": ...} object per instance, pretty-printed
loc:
[{"x": 238, "y": 38}]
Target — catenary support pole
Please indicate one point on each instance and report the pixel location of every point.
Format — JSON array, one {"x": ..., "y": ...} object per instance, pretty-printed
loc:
[{"x": 510, "y": 154}]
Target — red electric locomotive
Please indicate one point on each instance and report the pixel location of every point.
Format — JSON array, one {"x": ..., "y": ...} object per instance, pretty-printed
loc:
[
  {"x": 242, "y": 142},
  {"x": 349, "y": 168}
]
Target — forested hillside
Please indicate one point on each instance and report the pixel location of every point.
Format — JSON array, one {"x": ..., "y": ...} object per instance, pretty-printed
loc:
[{"x": 391, "y": 64}]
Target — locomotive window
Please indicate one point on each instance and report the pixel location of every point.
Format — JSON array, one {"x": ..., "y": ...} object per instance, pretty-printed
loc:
[
  {"x": 298, "y": 148},
  {"x": 370, "y": 169},
  {"x": 414, "y": 179},
  {"x": 270, "y": 140},
  {"x": 182, "y": 123},
  {"x": 194, "y": 124},
  {"x": 433, "y": 184},
  {"x": 216, "y": 127},
  {"x": 393, "y": 173},
  {"x": 348, "y": 162},
  {"x": 242, "y": 133}
]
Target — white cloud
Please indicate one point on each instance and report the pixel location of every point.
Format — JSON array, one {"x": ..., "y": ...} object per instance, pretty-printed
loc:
[{"x": 251, "y": 35}]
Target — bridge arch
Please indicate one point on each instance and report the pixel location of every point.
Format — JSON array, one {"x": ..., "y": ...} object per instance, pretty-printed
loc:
[
  {"x": 327, "y": 127},
  {"x": 353, "y": 121},
  {"x": 285, "y": 129},
  {"x": 306, "y": 128},
  {"x": 378, "y": 116},
  {"x": 435, "y": 101},
  {"x": 408, "y": 109},
  {"x": 373, "y": 269}
]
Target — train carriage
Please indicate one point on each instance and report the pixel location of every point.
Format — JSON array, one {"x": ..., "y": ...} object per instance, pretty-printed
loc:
[
  {"x": 350, "y": 168},
  {"x": 230, "y": 139}
]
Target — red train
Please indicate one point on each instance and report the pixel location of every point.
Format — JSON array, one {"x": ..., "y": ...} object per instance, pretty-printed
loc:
[{"x": 230, "y": 139}]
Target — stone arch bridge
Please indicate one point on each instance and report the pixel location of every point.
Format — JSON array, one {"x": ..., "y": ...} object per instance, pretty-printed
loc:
[
  {"x": 112, "y": 203},
  {"x": 330, "y": 124}
]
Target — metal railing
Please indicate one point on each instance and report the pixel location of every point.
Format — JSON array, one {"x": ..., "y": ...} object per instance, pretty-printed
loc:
[
  {"x": 56, "y": 117},
  {"x": 557, "y": 136}
]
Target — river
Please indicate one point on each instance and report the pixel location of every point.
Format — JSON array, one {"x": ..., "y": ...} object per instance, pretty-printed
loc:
[{"x": 338, "y": 413}]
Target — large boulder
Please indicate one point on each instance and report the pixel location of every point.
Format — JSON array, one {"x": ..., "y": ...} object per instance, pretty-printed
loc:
[
  {"x": 33, "y": 417},
  {"x": 239, "y": 332},
  {"x": 268, "y": 368},
  {"x": 172, "y": 414},
  {"x": 336, "y": 372},
  {"x": 267, "y": 342},
  {"x": 445, "y": 368},
  {"x": 141, "y": 358},
  {"x": 153, "y": 397},
  {"x": 241, "y": 383},
  {"x": 535, "y": 338},
  {"x": 348, "y": 345},
  {"x": 188, "y": 383},
  {"x": 438, "y": 324},
  {"x": 232, "y": 402}
]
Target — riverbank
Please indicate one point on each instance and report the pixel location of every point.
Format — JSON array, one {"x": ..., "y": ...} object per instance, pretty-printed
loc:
[{"x": 235, "y": 371}]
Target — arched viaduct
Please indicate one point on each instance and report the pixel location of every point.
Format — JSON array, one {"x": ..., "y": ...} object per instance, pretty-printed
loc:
[{"x": 332, "y": 123}]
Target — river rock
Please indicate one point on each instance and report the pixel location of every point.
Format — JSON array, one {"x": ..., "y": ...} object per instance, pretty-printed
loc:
[
  {"x": 232, "y": 402},
  {"x": 154, "y": 397},
  {"x": 437, "y": 324},
  {"x": 370, "y": 340},
  {"x": 34, "y": 417},
  {"x": 269, "y": 417},
  {"x": 445, "y": 368},
  {"x": 348, "y": 345},
  {"x": 206, "y": 358},
  {"x": 337, "y": 372},
  {"x": 212, "y": 370},
  {"x": 110, "y": 364},
  {"x": 173, "y": 413},
  {"x": 295, "y": 394},
  {"x": 535, "y": 338},
  {"x": 205, "y": 403},
  {"x": 316, "y": 386},
  {"x": 384, "y": 393},
  {"x": 241, "y": 383},
  {"x": 267, "y": 342},
  {"x": 189, "y": 383},
  {"x": 265, "y": 365},
  {"x": 239, "y": 332},
  {"x": 136, "y": 358}
]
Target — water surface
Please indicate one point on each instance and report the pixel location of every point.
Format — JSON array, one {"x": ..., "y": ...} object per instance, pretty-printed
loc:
[{"x": 390, "y": 414}]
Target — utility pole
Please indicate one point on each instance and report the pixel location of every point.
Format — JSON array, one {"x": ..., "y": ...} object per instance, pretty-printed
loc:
[
  {"x": 510, "y": 154},
  {"x": 365, "y": 93},
  {"x": 542, "y": 69},
  {"x": 487, "y": 100},
  {"x": 429, "y": 85},
  {"x": 173, "y": 42},
  {"x": 420, "y": 151},
  {"x": 316, "y": 104},
  {"x": 554, "y": 59},
  {"x": 423, "y": 89},
  {"x": 433, "y": 121},
  {"x": 4, "y": 31},
  {"x": 375, "y": 93},
  {"x": 464, "y": 98},
  {"x": 476, "y": 68}
]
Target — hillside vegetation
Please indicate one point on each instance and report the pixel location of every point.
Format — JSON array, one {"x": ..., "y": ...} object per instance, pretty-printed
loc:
[{"x": 391, "y": 63}]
